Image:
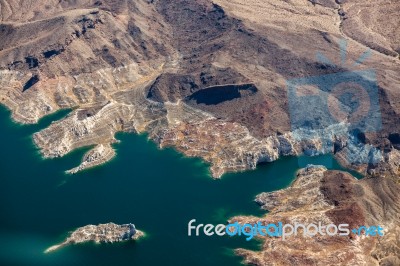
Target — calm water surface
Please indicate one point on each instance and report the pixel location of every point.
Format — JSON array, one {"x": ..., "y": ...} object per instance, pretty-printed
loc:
[{"x": 157, "y": 190}]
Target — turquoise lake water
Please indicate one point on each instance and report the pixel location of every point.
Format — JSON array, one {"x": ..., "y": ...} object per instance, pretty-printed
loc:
[{"x": 159, "y": 191}]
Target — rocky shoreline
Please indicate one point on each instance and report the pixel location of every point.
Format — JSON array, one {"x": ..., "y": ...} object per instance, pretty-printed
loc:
[
  {"x": 161, "y": 82},
  {"x": 102, "y": 233},
  {"x": 320, "y": 195}
]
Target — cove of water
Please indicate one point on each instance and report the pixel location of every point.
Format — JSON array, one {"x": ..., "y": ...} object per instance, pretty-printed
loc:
[{"x": 159, "y": 191}]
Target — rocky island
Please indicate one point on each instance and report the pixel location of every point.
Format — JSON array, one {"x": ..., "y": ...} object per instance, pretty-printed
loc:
[
  {"x": 102, "y": 233},
  {"x": 96, "y": 156}
]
